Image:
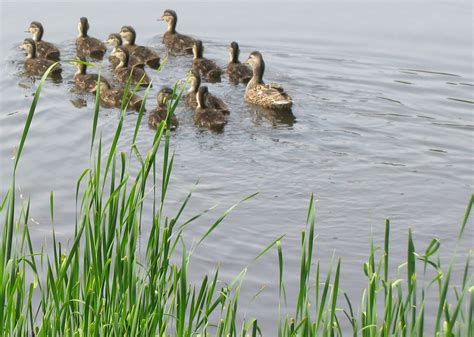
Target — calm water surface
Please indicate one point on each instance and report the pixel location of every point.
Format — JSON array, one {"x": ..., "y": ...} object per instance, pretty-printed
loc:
[{"x": 384, "y": 128}]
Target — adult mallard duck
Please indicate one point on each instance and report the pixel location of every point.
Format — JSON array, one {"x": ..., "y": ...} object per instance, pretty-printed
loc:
[
  {"x": 115, "y": 40},
  {"x": 207, "y": 117},
  {"x": 212, "y": 101},
  {"x": 112, "y": 97},
  {"x": 44, "y": 49},
  {"x": 85, "y": 81},
  {"x": 237, "y": 72},
  {"x": 123, "y": 71},
  {"x": 159, "y": 114},
  {"x": 270, "y": 96},
  {"x": 144, "y": 54},
  {"x": 174, "y": 41},
  {"x": 209, "y": 70},
  {"x": 86, "y": 45},
  {"x": 37, "y": 66}
]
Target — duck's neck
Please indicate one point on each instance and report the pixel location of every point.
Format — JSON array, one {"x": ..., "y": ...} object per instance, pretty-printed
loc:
[
  {"x": 82, "y": 32},
  {"x": 234, "y": 56},
  {"x": 122, "y": 64},
  {"x": 201, "y": 101},
  {"x": 81, "y": 70},
  {"x": 195, "y": 83},
  {"x": 31, "y": 54},
  {"x": 172, "y": 26},
  {"x": 258, "y": 71},
  {"x": 131, "y": 40},
  {"x": 38, "y": 35}
]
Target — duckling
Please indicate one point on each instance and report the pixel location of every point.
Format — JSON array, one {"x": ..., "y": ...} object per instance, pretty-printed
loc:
[
  {"x": 270, "y": 96},
  {"x": 116, "y": 41},
  {"x": 209, "y": 70},
  {"x": 86, "y": 45},
  {"x": 37, "y": 66},
  {"x": 123, "y": 69},
  {"x": 212, "y": 101},
  {"x": 44, "y": 49},
  {"x": 207, "y": 117},
  {"x": 144, "y": 54},
  {"x": 112, "y": 97},
  {"x": 161, "y": 111},
  {"x": 237, "y": 72},
  {"x": 85, "y": 81},
  {"x": 174, "y": 41}
]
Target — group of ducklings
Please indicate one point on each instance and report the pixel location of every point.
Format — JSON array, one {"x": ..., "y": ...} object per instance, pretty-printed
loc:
[{"x": 129, "y": 59}]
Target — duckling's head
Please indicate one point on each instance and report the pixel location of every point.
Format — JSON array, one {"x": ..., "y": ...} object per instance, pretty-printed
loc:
[
  {"x": 198, "y": 49},
  {"x": 170, "y": 17},
  {"x": 195, "y": 81},
  {"x": 29, "y": 45},
  {"x": 122, "y": 54},
  {"x": 256, "y": 61},
  {"x": 128, "y": 34},
  {"x": 201, "y": 97},
  {"x": 36, "y": 29},
  {"x": 83, "y": 26},
  {"x": 234, "y": 52},
  {"x": 81, "y": 66},
  {"x": 164, "y": 96},
  {"x": 114, "y": 39}
]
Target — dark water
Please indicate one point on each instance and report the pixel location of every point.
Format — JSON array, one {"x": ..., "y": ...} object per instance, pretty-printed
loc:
[{"x": 384, "y": 128}]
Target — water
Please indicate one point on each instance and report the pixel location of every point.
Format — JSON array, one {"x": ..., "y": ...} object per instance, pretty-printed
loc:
[{"x": 384, "y": 128}]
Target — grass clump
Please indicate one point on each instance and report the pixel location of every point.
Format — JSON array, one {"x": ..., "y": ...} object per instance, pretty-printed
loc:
[{"x": 107, "y": 284}]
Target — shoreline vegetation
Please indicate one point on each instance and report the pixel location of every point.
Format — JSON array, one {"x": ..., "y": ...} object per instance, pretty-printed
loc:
[{"x": 100, "y": 285}]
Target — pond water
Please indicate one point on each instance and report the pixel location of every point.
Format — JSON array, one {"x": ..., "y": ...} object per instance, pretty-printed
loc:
[{"x": 383, "y": 96}]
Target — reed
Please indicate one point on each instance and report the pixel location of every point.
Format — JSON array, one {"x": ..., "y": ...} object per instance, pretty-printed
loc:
[{"x": 104, "y": 284}]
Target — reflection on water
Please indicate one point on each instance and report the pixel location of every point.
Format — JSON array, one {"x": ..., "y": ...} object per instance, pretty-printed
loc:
[{"x": 382, "y": 127}]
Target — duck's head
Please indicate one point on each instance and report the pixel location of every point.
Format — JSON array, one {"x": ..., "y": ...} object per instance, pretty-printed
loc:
[
  {"x": 81, "y": 66},
  {"x": 102, "y": 85},
  {"x": 114, "y": 39},
  {"x": 83, "y": 26},
  {"x": 256, "y": 62},
  {"x": 234, "y": 52},
  {"x": 128, "y": 34},
  {"x": 36, "y": 29},
  {"x": 164, "y": 96},
  {"x": 201, "y": 97},
  {"x": 195, "y": 81},
  {"x": 29, "y": 46},
  {"x": 170, "y": 17},
  {"x": 122, "y": 54},
  {"x": 198, "y": 49}
]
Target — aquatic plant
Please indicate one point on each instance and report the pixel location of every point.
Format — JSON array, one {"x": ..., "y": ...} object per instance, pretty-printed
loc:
[{"x": 107, "y": 283}]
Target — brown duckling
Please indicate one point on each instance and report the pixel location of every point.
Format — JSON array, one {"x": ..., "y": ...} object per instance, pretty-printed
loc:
[
  {"x": 144, "y": 54},
  {"x": 111, "y": 97},
  {"x": 159, "y": 114},
  {"x": 209, "y": 70},
  {"x": 174, "y": 41},
  {"x": 86, "y": 45},
  {"x": 212, "y": 101},
  {"x": 270, "y": 96},
  {"x": 123, "y": 71},
  {"x": 37, "y": 66},
  {"x": 44, "y": 49},
  {"x": 85, "y": 81},
  {"x": 207, "y": 117},
  {"x": 115, "y": 40},
  {"x": 237, "y": 72}
]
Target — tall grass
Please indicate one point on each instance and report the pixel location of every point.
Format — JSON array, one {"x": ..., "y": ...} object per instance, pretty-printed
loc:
[{"x": 103, "y": 284}]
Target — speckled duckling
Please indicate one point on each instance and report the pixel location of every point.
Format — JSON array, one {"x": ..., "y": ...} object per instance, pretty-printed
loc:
[
  {"x": 44, "y": 49},
  {"x": 37, "y": 66},
  {"x": 86, "y": 45},
  {"x": 209, "y": 70},
  {"x": 123, "y": 69},
  {"x": 237, "y": 72},
  {"x": 159, "y": 114},
  {"x": 112, "y": 97},
  {"x": 115, "y": 40},
  {"x": 206, "y": 117},
  {"x": 212, "y": 101},
  {"x": 174, "y": 41},
  {"x": 270, "y": 96},
  {"x": 85, "y": 81},
  {"x": 144, "y": 54}
]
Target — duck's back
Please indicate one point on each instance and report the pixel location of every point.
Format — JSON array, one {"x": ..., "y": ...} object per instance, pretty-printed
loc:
[
  {"x": 90, "y": 46},
  {"x": 239, "y": 73},
  {"x": 147, "y": 55},
  {"x": 177, "y": 42},
  {"x": 47, "y": 50},
  {"x": 210, "y": 118},
  {"x": 270, "y": 96},
  {"x": 38, "y": 66},
  {"x": 209, "y": 70},
  {"x": 159, "y": 114}
]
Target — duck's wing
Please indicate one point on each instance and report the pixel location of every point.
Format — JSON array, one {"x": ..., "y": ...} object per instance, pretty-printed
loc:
[{"x": 218, "y": 103}]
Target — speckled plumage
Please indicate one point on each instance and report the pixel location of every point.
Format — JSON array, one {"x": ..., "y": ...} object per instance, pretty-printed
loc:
[
  {"x": 206, "y": 117},
  {"x": 237, "y": 72},
  {"x": 208, "y": 69},
  {"x": 37, "y": 66},
  {"x": 143, "y": 54},
  {"x": 86, "y": 45},
  {"x": 43, "y": 49},
  {"x": 123, "y": 71},
  {"x": 112, "y": 97},
  {"x": 85, "y": 81},
  {"x": 212, "y": 101},
  {"x": 160, "y": 113},
  {"x": 174, "y": 41},
  {"x": 116, "y": 41}
]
